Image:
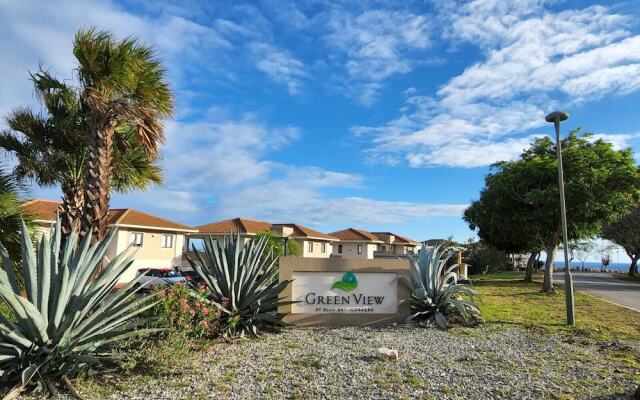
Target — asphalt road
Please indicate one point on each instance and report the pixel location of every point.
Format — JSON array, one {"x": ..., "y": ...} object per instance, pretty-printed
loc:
[{"x": 603, "y": 285}]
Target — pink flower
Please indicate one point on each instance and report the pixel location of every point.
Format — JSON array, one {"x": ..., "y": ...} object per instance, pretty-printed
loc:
[
  {"x": 218, "y": 314},
  {"x": 197, "y": 304},
  {"x": 204, "y": 324},
  {"x": 204, "y": 311},
  {"x": 192, "y": 312}
]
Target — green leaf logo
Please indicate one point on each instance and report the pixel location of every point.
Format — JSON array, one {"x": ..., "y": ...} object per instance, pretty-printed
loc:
[{"x": 347, "y": 284}]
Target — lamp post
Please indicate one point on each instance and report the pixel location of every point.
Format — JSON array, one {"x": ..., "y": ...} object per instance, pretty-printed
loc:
[{"x": 556, "y": 117}]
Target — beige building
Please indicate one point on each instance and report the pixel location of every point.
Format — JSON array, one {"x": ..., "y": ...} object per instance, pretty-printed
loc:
[
  {"x": 159, "y": 241},
  {"x": 355, "y": 243},
  {"x": 396, "y": 244},
  {"x": 314, "y": 244}
]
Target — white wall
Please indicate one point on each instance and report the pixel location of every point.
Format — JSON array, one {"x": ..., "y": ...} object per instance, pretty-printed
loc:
[{"x": 350, "y": 249}]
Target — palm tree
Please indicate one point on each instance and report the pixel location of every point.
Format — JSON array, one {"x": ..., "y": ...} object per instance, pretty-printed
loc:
[
  {"x": 11, "y": 214},
  {"x": 122, "y": 83},
  {"x": 52, "y": 149}
]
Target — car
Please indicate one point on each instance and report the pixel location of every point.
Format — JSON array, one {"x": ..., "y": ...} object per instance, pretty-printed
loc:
[{"x": 155, "y": 277}]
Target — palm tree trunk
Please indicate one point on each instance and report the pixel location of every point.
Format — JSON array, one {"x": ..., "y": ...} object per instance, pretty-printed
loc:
[
  {"x": 528, "y": 275},
  {"x": 97, "y": 179},
  {"x": 71, "y": 207},
  {"x": 547, "y": 284}
]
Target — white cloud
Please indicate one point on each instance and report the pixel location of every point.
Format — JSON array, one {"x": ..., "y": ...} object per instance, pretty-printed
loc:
[
  {"x": 279, "y": 66},
  {"x": 618, "y": 140},
  {"x": 376, "y": 44},
  {"x": 533, "y": 61}
]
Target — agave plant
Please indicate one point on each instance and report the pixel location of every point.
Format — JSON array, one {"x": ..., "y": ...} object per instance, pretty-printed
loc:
[
  {"x": 436, "y": 295},
  {"x": 67, "y": 315},
  {"x": 243, "y": 279}
]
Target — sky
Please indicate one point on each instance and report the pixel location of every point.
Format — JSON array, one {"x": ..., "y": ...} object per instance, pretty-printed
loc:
[{"x": 380, "y": 115}]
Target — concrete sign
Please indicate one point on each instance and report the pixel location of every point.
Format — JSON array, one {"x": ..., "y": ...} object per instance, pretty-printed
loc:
[{"x": 345, "y": 292}]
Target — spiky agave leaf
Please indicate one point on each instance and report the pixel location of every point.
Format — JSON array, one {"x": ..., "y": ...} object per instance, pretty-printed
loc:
[
  {"x": 70, "y": 313},
  {"x": 436, "y": 293},
  {"x": 245, "y": 277}
]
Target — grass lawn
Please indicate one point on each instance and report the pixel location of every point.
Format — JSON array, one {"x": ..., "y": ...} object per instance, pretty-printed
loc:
[{"x": 506, "y": 299}]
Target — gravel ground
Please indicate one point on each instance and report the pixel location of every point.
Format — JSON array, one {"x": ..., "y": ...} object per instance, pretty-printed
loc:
[{"x": 319, "y": 363}]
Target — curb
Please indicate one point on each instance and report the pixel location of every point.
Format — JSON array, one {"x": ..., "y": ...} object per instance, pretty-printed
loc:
[{"x": 609, "y": 301}]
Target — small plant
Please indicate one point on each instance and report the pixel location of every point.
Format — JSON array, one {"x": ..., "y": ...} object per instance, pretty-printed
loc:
[
  {"x": 243, "y": 279},
  {"x": 189, "y": 310},
  {"x": 436, "y": 295},
  {"x": 69, "y": 315}
]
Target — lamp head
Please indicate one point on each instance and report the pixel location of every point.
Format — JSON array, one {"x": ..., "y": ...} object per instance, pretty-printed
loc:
[{"x": 557, "y": 116}]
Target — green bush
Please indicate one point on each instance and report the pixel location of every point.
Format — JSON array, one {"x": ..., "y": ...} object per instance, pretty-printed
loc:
[
  {"x": 436, "y": 296},
  {"x": 244, "y": 284},
  {"x": 186, "y": 309},
  {"x": 70, "y": 316},
  {"x": 483, "y": 259}
]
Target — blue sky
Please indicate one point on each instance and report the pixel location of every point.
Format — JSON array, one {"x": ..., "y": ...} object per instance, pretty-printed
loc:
[{"x": 379, "y": 115}]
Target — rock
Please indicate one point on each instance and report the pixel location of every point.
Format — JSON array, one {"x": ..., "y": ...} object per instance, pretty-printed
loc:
[
  {"x": 387, "y": 354},
  {"x": 636, "y": 395}
]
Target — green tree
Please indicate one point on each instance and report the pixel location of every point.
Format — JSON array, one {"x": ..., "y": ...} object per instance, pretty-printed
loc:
[
  {"x": 277, "y": 244},
  {"x": 625, "y": 232},
  {"x": 122, "y": 83},
  {"x": 508, "y": 233},
  {"x": 51, "y": 149},
  {"x": 600, "y": 184},
  {"x": 11, "y": 215}
]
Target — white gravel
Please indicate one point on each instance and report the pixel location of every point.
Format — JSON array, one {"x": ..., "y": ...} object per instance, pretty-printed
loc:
[{"x": 320, "y": 363}]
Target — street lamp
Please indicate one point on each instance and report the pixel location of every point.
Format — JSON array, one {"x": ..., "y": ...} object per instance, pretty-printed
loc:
[{"x": 556, "y": 117}]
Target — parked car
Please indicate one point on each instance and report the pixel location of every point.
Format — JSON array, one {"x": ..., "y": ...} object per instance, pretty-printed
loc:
[{"x": 155, "y": 277}]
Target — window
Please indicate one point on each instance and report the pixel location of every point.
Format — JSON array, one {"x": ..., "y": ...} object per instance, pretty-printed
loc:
[
  {"x": 359, "y": 249},
  {"x": 167, "y": 241},
  {"x": 310, "y": 247},
  {"x": 323, "y": 248},
  {"x": 136, "y": 239},
  {"x": 340, "y": 248}
]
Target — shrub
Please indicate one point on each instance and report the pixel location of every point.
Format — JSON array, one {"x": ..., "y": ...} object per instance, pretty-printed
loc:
[
  {"x": 188, "y": 310},
  {"x": 69, "y": 317},
  {"x": 244, "y": 284},
  {"x": 436, "y": 295}
]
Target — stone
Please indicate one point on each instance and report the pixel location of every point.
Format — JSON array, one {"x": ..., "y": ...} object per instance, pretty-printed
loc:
[{"x": 387, "y": 354}]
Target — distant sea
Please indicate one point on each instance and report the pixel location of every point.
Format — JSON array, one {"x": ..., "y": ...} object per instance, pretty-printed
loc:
[{"x": 622, "y": 267}]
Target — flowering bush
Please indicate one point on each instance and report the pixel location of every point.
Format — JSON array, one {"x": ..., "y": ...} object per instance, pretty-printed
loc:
[{"x": 189, "y": 310}]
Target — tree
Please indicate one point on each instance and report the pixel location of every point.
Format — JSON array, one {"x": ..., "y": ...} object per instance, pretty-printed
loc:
[
  {"x": 507, "y": 232},
  {"x": 122, "y": 83},
  {"x": 51, "y": 149},
  {"x": 277, "y": 244},
  {"x": 625, "y": 232},
  {"x": 581, "y": 250},
  {"x": 11, "y": 215},
  {"x": 600, "y": 184}
]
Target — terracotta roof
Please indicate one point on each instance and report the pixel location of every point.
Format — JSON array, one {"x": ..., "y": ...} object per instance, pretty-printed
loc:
[
  {"x": 45, "y": 210},
  {"x": 303, "y": 231},
  {"x": 130, "y": 216},
  {"x": 398, "y": 239},
  {"x": 235, "y": 225},
  {"x": 355, "y": 235}
]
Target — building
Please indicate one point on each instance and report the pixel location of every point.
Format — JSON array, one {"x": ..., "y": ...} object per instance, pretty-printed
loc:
[
  {"x": 395, "y": 244},
  {"x": 355, "y": 243},
  {"x": 314, "y": 244},
  {"x": 159, "y": 241}
]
